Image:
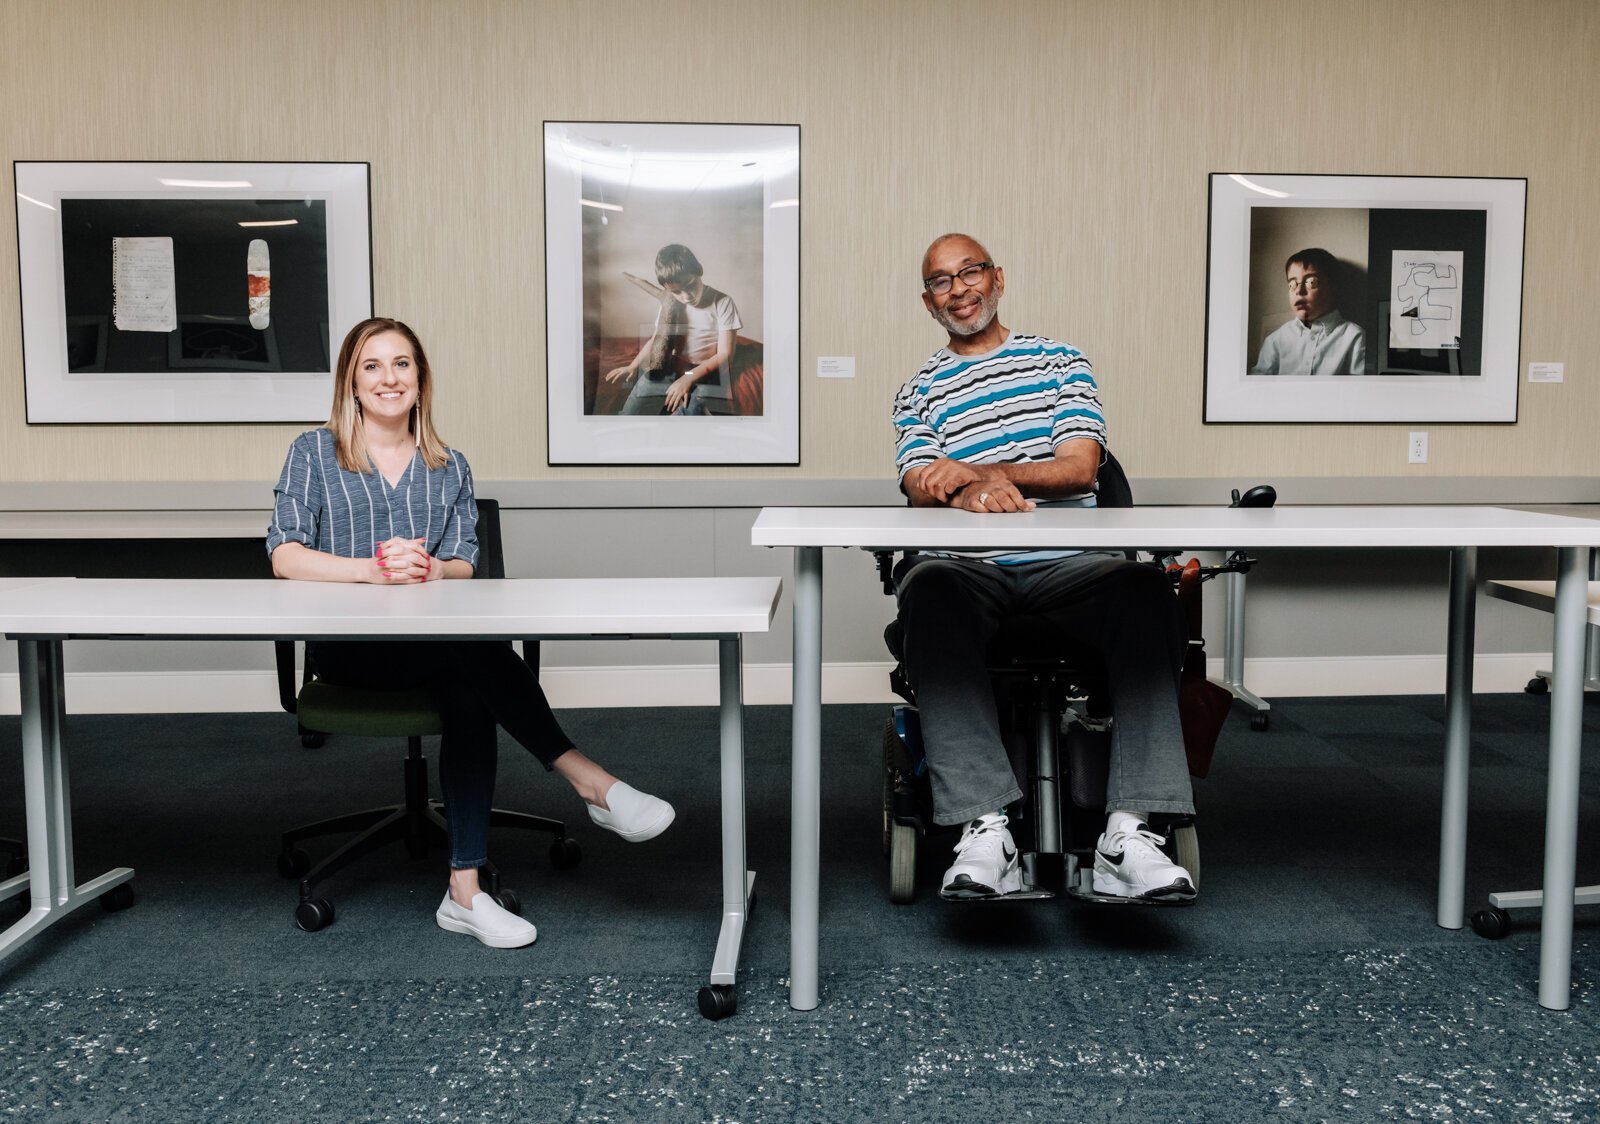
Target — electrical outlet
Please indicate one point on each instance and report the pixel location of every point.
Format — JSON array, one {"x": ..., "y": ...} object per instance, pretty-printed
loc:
[{"x": 1417, "y": 447}]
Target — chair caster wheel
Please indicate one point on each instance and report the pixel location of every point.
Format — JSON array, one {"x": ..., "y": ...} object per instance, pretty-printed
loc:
[
  {"x": 416, "y": 848},
  {"x": 509, "y": 900},
  {"x": 1259, "y": 721},
  {"x": 565, "y": 853},
  {"x": 718, "y": 1001},
  {"x": 118, "y": 897},
  {"x": 1491, "y": 923},
  {"x": 1538, "y": 685},
  {"x": 313, "y": 914},
  {"x": 293, "y": 863},
  {"x": 313, "y": 740}
]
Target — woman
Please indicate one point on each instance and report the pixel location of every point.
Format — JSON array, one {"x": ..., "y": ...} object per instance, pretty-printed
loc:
[{"x": 374, "y": 496}]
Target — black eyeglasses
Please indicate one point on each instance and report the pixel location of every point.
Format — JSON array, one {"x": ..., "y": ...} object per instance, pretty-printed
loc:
[{"x": 939, "y": 284}]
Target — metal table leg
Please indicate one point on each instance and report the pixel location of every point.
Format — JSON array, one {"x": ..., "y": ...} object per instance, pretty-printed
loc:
[
  {"x": 1561, "y": 793},
  {"x": 719, "y": 1000},
  {"x": 47, "y": 793},
  {"x": 1233, "y": 652},
  {"x": 805, "y": 830},
  {"x": 1457, "y": 737}
]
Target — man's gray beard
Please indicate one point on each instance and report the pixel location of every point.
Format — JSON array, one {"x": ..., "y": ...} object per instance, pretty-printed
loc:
[{"x": 987, "y": 307}]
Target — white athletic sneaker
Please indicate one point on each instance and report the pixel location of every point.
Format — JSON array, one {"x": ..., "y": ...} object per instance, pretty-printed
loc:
[
  {"x": 1129, "y": 863},
  {"x": 986, "y": 861}
]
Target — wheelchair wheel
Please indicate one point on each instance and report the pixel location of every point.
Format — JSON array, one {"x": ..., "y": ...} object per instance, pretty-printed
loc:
[
  {"x": 902, "y": 863},
  {"x": 891, "y": 759},
  {"x": 1186, "y": 850}
]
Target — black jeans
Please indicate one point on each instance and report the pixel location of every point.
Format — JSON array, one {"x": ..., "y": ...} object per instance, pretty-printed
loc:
[
  {"x": 477, "y": 685},
  {"x": 1122, "y": 613}
]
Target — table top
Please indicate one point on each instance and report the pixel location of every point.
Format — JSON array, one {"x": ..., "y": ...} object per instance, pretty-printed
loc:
[
  {"x": 1186, "y": 528},
  {"x": 1540, "y": 595},
  {"x": 486, "y": 609}
]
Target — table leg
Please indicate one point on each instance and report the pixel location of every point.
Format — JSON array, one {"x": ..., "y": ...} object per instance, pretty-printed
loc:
[
  {"x": 1561, "y": 793},
  {"x": 805, "y": 832},
  {"x": 47, "y": 794},
  {"x": 736, "y": 880},
  {"x": 1457, "y": 737}
]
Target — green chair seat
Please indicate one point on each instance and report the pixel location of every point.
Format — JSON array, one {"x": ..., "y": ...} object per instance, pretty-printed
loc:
[{"x": 374, "y": 712}]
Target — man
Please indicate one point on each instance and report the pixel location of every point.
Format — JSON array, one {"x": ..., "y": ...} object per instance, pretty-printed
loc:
[
  {"x": 999, "y": 422},
  {"x": 1319, "y": 340}
]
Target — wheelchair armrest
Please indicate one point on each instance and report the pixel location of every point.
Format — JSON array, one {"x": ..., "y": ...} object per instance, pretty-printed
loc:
[{"x": 885, "y": 560}]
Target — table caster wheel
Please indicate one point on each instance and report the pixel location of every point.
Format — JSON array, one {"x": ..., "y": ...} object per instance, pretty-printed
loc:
[
  {"x": 1537, "y": 686},
  {"x": 1491, "y": 923},
  {"x": 293, "y": 863},
  {"x": 508, "y": 900},
  {"x": 118, "y": 897},
  {"x": 718, "y": 1001},
  {"x": 313, "y": 740},
  {"x": 313, "y": 914},
  {"x": 1259, "y": 721},
  {"x": 565, "y": 853}
]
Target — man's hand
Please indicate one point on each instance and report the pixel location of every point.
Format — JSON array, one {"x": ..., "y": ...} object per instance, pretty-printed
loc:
[
  {"x": 945, "y": 477},
  {"x": 996, "y": 494}
]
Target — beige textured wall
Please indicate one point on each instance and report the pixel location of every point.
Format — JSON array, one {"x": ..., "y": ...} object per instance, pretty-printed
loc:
[{"x": 1074, "y": 136}]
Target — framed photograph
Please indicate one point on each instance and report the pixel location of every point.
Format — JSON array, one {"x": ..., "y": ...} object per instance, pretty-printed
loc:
[
  {"x": 180, "y": 292},
  {"x": 1363, "y": 298},
  {"x": 672, "y": 293}
]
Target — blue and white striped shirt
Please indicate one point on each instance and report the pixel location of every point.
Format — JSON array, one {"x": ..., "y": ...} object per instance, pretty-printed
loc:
[
  {"x": 322, "y": 506},
  {"x": 1012, "y": 405}
]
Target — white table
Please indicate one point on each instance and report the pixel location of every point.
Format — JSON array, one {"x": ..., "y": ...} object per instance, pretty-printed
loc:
[
  {"x": 1461, "y": 530},
  {"x": 42, "y": 613}
]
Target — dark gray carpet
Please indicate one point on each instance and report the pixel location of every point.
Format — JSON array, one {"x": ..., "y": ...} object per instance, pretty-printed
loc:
[{"x": 1309, "y": 982}]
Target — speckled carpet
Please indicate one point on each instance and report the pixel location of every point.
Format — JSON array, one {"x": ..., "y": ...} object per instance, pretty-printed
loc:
[{"x": 1308, "y": 983}]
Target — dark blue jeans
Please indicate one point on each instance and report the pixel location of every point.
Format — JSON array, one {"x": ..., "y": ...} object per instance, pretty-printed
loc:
[
  {"x": 1122, "y": 614},
  {"x": 477, "y": 685}
]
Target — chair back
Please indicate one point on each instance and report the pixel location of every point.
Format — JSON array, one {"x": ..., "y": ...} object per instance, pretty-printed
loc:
[
  {"x": 491, "y": 549},
  {"x": 1112, "y": 488}
]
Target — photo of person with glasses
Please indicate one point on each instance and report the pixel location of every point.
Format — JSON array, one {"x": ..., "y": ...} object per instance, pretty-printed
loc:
[{"x": 1317, "y": 340}]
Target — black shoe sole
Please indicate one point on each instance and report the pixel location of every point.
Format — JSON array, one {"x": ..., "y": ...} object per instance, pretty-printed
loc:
[{"x": 964, "y": 889}]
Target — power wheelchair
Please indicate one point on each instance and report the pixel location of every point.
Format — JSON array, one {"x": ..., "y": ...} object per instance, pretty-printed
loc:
[{"x": 1056, "y": 721}]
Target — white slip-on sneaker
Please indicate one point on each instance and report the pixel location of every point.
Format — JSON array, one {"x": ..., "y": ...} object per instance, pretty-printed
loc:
[
  {"x": 1129, "y": 863},
  {"x": 986, "y": 863},
  {"x": 487, "y": 920},
  {"x": 634, "y": 815}
]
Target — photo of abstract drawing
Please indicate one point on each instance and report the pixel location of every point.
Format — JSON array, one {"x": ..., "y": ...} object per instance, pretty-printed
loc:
[
  {"x": 672, "y": 293},
  {"x": 187, "y": 292},
  {"x": 188, "y": 284},
  {"x": 1363, "y": 298}
]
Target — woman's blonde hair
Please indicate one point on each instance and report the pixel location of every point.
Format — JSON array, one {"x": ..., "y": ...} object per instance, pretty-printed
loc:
[{"x": 344, "y": 419}]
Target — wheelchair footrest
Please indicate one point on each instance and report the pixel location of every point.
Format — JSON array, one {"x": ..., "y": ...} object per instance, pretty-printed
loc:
[
  {"x": 1090, "y": 897},
  {"x": 1025, "y": 895}
]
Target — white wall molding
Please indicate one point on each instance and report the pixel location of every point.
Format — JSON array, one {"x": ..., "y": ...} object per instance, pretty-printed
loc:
[{"x": 183, "y": 692}]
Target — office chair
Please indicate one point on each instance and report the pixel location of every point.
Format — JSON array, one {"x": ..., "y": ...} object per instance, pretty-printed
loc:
[
  {"x": 329, "y": 708},
  {"x": 1051, "y": 707}
]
